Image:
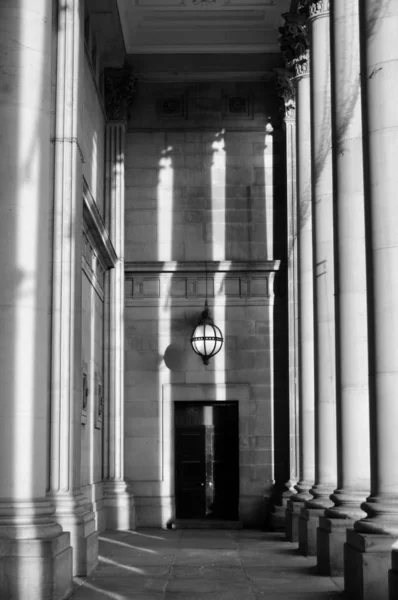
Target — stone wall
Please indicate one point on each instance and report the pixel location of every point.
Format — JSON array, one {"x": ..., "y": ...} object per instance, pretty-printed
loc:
[{"x": 202, "y": 183}]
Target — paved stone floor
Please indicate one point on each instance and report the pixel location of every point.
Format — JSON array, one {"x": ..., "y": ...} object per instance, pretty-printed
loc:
[{"x": 155, "y": 564}]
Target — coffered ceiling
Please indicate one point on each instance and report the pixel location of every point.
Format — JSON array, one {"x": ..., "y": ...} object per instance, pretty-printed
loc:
[{"x": 201, "y": 26}]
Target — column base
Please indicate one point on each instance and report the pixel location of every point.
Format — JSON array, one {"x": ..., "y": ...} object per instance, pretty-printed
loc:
[
  {"x": 331, "y": 537},
  {"x": 393, "y": 575},
  {"x": 367, "y": 560},
  {"x": 308, "y": 525},
  {"x": 278, "y": 516},
  {"x": 293, "y": 511},
  {"x": 119, "y": 506},
  {"x": 73, "y": 512},
  {"x": 33, "y": 569}
]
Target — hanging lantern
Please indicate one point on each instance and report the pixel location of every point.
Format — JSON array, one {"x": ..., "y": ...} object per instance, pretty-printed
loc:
[{"x": 206, "y": 338}]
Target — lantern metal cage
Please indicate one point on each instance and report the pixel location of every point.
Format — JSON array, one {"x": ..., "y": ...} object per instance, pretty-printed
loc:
[{"x": 206, "y": 338}]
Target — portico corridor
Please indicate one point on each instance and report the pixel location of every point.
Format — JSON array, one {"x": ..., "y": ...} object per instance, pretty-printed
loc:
[{"x": 154, "y": 564}]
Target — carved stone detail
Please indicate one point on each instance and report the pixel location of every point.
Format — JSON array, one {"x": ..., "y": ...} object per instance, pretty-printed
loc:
[
  {"x": 294, "y": 41},
  {"x": 120, "y": 88},
  {"x": 318, "y": 6},
  {"x": 286, "y": 91}
]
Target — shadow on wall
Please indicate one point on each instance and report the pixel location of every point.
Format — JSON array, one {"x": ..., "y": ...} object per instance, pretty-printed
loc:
[{"x": 201, "y": 186}]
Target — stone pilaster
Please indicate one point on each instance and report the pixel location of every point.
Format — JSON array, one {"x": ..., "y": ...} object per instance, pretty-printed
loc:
[
  {"x": 295, "y": 48},
  {"x": 324, "y": 288},
  {"x": 368, "y": 548},
  {"x": 352, "y": 392},
  {"x": 35, "y": 555},
  {"x": 118, "y": 501},
  {"x": 72, "y": 508}
]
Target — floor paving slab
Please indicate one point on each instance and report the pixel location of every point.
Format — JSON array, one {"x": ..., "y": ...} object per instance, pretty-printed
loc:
[{"x": 152, "y": 564}]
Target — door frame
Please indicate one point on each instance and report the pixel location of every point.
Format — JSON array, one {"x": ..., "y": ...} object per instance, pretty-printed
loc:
[
  {"x": 194, "y": 392},
  {"x": 214, "y": 403}
]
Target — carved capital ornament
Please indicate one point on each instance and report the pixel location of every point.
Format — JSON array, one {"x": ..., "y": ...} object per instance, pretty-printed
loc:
[
  {"x": 286, "y": 91},
  {"x": 294, "y": 42},
  {"x": 119, "y": 88}
]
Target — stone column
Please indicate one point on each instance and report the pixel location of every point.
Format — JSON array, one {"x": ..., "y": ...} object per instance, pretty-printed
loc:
[
  {"x": 352, "y": 392},
  {"x": 118, "y": 501},
  {"x": 72, "y": 508},
  {"x": 368, "y": 548},
  {"x": 285, "y": 89},
  {"x": 295, "y": 46},
  {"x": 324, "y": 290},
  {"x": 35, "y": 555}
]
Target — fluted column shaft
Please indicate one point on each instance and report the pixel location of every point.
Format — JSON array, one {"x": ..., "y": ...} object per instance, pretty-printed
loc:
[
  {"x": 291, "y": 168},
  {"x": 380, "y": 77},
  {"x": 351, "y": 286},
  {"x": 118, "y": 501},
  {"x": 305, "y": 290},
  {"x": 323, "y": 217}
]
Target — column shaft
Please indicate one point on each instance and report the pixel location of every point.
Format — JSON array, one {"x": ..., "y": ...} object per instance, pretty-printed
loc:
[
  {"x": 352, "y": 347},
  {"x": 118, "y": 501},
  {"x": 323, "y": 217},
  {"x": 290, "y": 125},
  {"x": 33, "y": 549},
  {"x": 72, "y": 508},
  {"x": 380, "y": 73},
  {"x": 305, "y": 290}
]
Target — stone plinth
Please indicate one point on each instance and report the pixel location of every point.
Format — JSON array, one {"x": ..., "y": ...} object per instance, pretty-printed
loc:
[
  {"x": 331, "y": 536},
  {"x": 308, "y": 525},
  {"x": 31, "y": 569},
  {"x": 393, "y": 575},
  {"x": 293, "y": 511},
  {"x": 367, "y": 560}
]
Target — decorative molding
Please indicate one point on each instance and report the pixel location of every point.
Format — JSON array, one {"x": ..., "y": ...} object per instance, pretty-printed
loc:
[
  {"x": 119, "y": 89},
  {"x": 187, "y": 283},
  {"x": 223, "y": 266},
  {"x": 92, "y": 266},
  {"x": 94, "y": 224},
  {"x": 237, "y": 107},
  {"x": 286, "y": 91},
  {"x": 172, "y": 107},
  {"x": 85, "y": 394},
  {"x": 69, "y": 140},
  {"x": 99, "y": 400},
  {"x": 317, "y": 7}
]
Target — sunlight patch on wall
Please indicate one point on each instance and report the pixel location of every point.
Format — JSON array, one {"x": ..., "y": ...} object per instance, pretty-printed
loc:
[
  {"x": 165, "y": 206},
  {"x": 219, "y": 251},
  {"x": 165, "y": 253},
  {"x": 218, "y": 169},
  {"x": 269, "y": 186}
]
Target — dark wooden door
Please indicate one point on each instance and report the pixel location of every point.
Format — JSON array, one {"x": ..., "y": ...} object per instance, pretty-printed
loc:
[
  {"x": 207, "y": 460},
  {"x": 190, "y": 472}
]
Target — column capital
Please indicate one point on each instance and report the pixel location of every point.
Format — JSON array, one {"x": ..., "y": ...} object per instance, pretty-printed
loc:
[
  {"x": 120, "y": 88},
  {"x": 318, "y": 7},
  {"x": 285, "y": 89},
  {"x": 294, "y": 41}
]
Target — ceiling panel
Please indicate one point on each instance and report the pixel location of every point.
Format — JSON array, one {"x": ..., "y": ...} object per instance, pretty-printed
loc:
[{"x": 201, "y": 26}]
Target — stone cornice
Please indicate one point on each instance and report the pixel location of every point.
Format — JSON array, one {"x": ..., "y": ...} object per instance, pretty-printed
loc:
[
  {"x": 120, "y": 88},
  {"x": 224, "y": 266}
]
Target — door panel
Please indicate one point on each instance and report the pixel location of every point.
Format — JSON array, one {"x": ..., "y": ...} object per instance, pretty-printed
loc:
[
  {"x": 207, "y": 460},
  {"x": 190, "y": 472}
]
